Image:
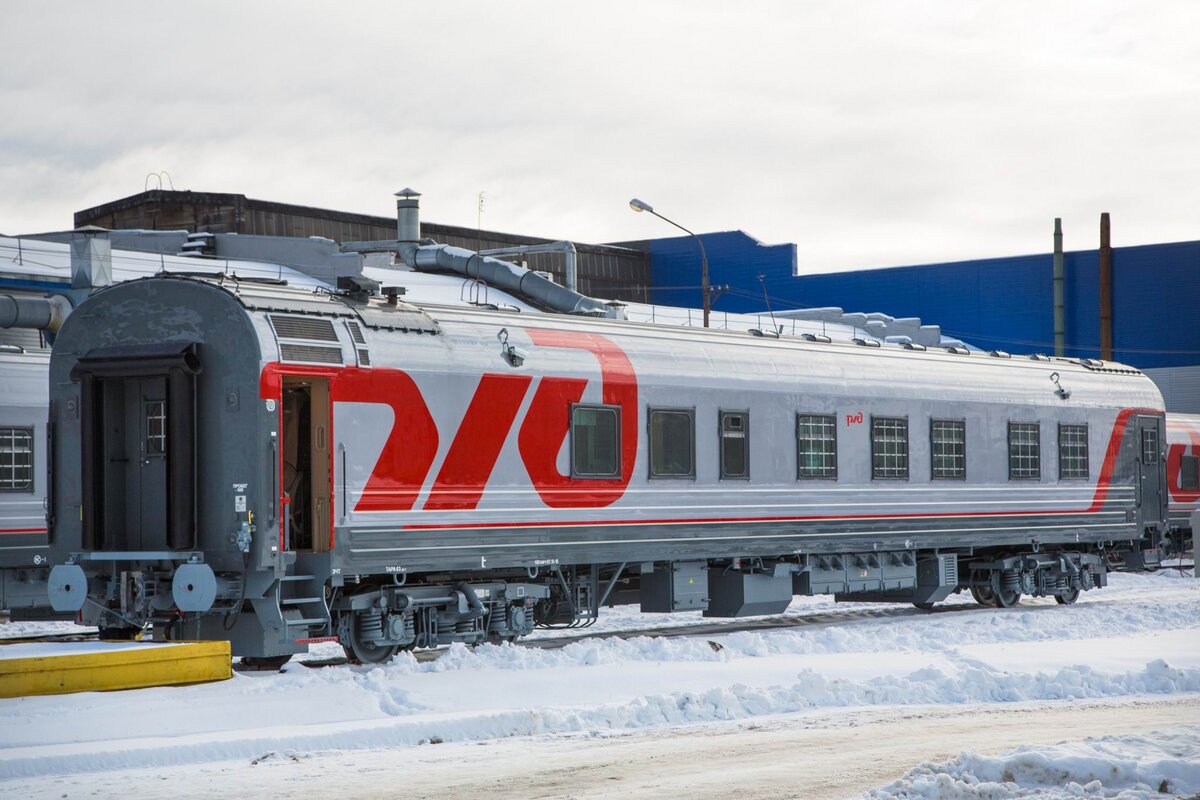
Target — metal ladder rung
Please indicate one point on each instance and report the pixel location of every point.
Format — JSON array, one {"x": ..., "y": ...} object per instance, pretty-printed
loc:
[
  {"x": 312, "y": 621},
  {"x": 297, "y": 601},
  {"x": 297, "y": 578}
]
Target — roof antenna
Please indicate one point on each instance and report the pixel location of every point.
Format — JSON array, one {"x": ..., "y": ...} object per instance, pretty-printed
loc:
[{"x": 767, "y": 300}]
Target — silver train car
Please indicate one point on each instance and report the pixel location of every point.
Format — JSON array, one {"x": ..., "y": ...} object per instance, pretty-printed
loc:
[
  {"x": 276, "y": 466},
  {"x": 24, "y": 548},
  {"x": 1183, "y": 482}
]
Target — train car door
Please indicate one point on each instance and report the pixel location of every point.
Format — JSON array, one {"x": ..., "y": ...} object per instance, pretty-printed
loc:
[
  {"x": 306, "y": 462},
  {"x": 151, "y": 429},
  {"x": 1151, "y": 470}
]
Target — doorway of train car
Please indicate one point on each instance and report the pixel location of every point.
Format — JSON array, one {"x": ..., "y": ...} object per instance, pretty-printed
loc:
[
  {"x": 126, "y": 452},
  {"x": 306, "y": 463},
  {"x": 138, "y": 453},
  {"x": 1151, "y": 472}
]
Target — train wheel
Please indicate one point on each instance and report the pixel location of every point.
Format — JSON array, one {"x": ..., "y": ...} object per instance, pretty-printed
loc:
[
  {"x": 924, "y": 606},
  {"x": 363, "y": 652},
  {"x": 1067, "y": 598},
  {"x": 983, "y": 595},
  {"x": 1007, "y": 598}
]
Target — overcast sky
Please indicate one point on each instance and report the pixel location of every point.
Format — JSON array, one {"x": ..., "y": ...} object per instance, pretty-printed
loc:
[{"x": 871, "y": 134}]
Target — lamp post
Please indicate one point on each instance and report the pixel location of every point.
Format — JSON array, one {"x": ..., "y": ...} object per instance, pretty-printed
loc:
[{"x": 639, "y": 206}]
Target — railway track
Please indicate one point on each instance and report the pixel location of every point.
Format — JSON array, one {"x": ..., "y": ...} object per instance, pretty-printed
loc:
[{"x": 813, "y": 620}]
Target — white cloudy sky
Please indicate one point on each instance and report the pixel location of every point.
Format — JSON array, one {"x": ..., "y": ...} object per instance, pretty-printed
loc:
[{"x": 869, "y": 133}]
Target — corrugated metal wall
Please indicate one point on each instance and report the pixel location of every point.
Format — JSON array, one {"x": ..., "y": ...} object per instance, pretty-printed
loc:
[{"x": 1004, "y": 303}]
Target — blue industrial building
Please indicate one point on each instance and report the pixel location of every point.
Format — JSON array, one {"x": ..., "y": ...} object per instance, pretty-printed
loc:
[{"x": 995, "y": 303}]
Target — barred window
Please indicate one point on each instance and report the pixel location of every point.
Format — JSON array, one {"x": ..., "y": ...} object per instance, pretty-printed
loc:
[
  {"x": 16, "y": 459},
  {"x": 1150, "y": 446},
  {"x": 1072, "y": 451},
  {"x": 948, "y": 449},
  {"x": 595, "y": 451},
  {"x": 735, "y": 444},
  {"x": 672, "y": 440},
  {"x": 889, "y": 447},
  {"x": 816, "y": 445},
  {"x": 156, "y": 428},
  {"x": 1024, "y": 450}
]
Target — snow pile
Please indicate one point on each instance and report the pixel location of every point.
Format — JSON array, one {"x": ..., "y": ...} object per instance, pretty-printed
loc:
[
  {"x": 1122, "y": 767},
  {"x": 406, "y": 722}
]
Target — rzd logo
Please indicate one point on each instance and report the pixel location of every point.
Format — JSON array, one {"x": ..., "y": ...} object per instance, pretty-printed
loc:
[{"x": 408, "y": 455}]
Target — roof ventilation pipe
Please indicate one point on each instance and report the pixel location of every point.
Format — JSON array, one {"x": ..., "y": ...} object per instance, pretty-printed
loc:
[
  {"x": 38, "y": 313},
  {"x": 505, "y": 276},
  {"x": 566, "y": 248},
  {"x": 408, "y": 215}
]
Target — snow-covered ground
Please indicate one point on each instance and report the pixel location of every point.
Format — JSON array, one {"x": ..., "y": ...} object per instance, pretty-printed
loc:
[
  {"x": 1132, "y": 767},
  {"x": 1122, "y": 660}
]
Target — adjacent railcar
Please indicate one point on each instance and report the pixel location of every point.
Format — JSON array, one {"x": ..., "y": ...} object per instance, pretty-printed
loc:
[
  {"x": 1183, "y": 481},
  {"x": 24, "y": 551},
  {"x": 276, "y": 466}
]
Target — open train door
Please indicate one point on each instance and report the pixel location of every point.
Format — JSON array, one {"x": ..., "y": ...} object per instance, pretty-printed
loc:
[
  {"x": 307, "y": 465},
  {"x": 1151, "y": 472}
]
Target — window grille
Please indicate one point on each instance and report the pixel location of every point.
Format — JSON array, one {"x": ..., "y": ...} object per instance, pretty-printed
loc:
[
  {"x": 156, "y": 428},
  {"x": 948, "y": 449},
  {"x": 889, "y": 447},
  {"x": 1072, "y": 451},
  {"x": 16, "y": 459},
  {"x": 1149, "y": 446},
  {"x": 816, "y": 446},
  {"x": 1024, "y": 451}
]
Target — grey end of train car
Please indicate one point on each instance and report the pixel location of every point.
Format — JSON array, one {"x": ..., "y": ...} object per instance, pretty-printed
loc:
[
  {"x": 146, "y": 389},
  {"x": 748, "y": 594},
  {"x": 675, "y": 586}
]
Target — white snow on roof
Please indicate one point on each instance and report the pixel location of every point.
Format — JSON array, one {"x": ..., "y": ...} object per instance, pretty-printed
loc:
[
  {"x": 30, "y": 259},
  {"x": 39, "y": 260}
]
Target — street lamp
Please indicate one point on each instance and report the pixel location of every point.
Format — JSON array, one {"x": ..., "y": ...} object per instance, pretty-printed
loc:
[{"x": 639, "y": 206}]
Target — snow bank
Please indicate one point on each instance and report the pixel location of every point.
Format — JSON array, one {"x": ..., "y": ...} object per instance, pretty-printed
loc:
[
  {"x": 1124, "y": 767},
  {"x": 406, "y": 724}
]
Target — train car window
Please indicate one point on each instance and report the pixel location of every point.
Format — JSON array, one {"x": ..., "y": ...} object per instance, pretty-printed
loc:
[
  {"x": 1189, "y": 472},
  {"x": 595, "y": 445},
  {"x": 948, "y": 449},
  {"x": 672, "y": 443},
  {"x": 1072, "y": 451},
  {"x": 735, "y": 444},
  {"x": 889, "y": 447},
  {"x": 156, "y": 428},
  {"x": 816, "y": 446},
  {"x": 1024, "y": 450},
  {"x": 16, "y": 459},
  {"x": 1149, "y": 446}
]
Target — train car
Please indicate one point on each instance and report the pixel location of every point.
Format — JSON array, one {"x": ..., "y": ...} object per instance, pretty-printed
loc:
[
  {"x": 276, "y": 466},
  {"x": 24, "y": 550},
  {"x": 1183, "y": 482},
  {"x": 36, "y": 271}
]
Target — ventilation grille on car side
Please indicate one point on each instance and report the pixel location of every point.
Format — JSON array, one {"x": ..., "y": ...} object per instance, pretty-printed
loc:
[
  {"x": 314, "y": 328},
  {"x": 310, "y": 352},
  {"x": 364, "y": 358},
  {"x": 356, "y": 332}
]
